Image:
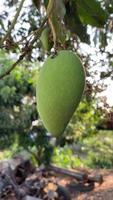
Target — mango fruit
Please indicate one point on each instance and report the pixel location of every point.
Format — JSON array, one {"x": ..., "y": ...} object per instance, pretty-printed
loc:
[{"x": 59, "y": 90}]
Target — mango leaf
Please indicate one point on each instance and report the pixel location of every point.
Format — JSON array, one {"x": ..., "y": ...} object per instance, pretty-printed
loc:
[
  {"x": 37, "y": 3},
  {"x": 60, "y": 9},
  {"x": 73, "y": 22},
  {"x": 45, "y": 39},
  {"x": 55, "y": 22},
  {"x": 46, "y": 3},
  {"x": 90, "y": 12}
]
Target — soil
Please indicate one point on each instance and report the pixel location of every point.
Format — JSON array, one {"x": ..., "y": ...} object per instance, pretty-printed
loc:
[
  {"x": 102, "y": 191},
  {"x": 36, "y": 185}
]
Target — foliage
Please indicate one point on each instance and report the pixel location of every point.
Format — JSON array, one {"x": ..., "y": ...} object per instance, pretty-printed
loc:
[
  {"x": 37, "y": 143},
  {"x": 99, "y": 150},
  {"x": 91, "y": 12},
  {"x": 63, "y": 157},
  {"x": 18, "y": 111},
  {"x": 84, "y": 121},
  {"x": 71, "y": 24},
  {"x": 93, "y": 151},
  {"x": 67, "y": 19},
  {"x": 17, "y": 108}
]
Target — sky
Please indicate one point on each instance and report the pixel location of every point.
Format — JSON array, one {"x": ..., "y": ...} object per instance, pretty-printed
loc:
[
  {"x": 88, "y": 49},
  {"x": 108, "y": 92}
]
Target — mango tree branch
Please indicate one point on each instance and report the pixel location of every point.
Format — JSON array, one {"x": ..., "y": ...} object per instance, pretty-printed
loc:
[
  {"x": 13, "y": 66},
  {"x": 26, "y": 50},
  {"x": 53, "y": 32},
  {"x": 21, "y": 57},
  {"x": 37, "y": 34},
  {"x": 50, "y": 8},
  {"x": 13, "y": 23}
]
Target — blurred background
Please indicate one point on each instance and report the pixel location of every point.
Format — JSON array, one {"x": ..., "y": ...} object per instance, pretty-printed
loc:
[{"x": 83, "y": 26}]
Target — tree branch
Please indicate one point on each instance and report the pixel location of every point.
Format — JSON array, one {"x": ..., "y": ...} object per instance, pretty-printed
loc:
[
  {"x": 13, "y": 66},
  {"x": 37, "y": 33},
  {"x": 50, "y": 7},
  {"x": 13, "y": 23},
  {"x": 26, "y": 50}
]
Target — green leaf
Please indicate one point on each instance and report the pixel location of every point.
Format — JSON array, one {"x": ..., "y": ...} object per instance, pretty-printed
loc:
[
  {"x": 45, "y": 39},
  {"x": 60, "y": 9},
  {"x": 46, "y": 3},
  {"x": 37, "y": 3},
  {"x": 5, "y": 93},
  {"x": 73, "y": 22},
  {"x": 90, "y": 12}
]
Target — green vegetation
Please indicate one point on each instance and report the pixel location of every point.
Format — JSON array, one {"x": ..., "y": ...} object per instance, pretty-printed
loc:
[
  {"x": 94, "y": 151},
  {"x": 99, "y": 150},
  {"x": 17, "y": 108},
  {"x": 42, "y": 29}
]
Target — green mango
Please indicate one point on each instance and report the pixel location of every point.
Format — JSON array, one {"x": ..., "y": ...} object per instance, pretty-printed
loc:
[{"x": 59, "y": 90}]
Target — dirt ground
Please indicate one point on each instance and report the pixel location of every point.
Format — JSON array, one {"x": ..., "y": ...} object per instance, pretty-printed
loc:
[
  {"x": 102, "y": 191},
  {"x": 38, "y": 185}
]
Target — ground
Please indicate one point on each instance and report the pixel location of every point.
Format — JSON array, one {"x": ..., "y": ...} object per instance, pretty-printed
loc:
[
  {"x": 36, "y": 184},
  {"x": 100, "y": 192}
]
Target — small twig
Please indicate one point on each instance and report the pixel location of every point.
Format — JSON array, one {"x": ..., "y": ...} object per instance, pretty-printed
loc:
[
  {"x": 53, "y": 32},
  {"x": 49, "y": 10},
  {"x": 21, "y": 57},
  {"x": 36, "y": 36},
  {"x": 13, "y": 23},
  {"x": 13, "y": 66}
]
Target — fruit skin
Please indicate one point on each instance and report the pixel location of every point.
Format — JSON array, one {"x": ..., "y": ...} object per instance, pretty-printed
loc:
[{"x": 59, "y": 90}]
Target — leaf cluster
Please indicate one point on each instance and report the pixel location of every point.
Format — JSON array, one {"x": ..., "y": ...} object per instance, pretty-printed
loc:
[{"x": 17, "y": 108}]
